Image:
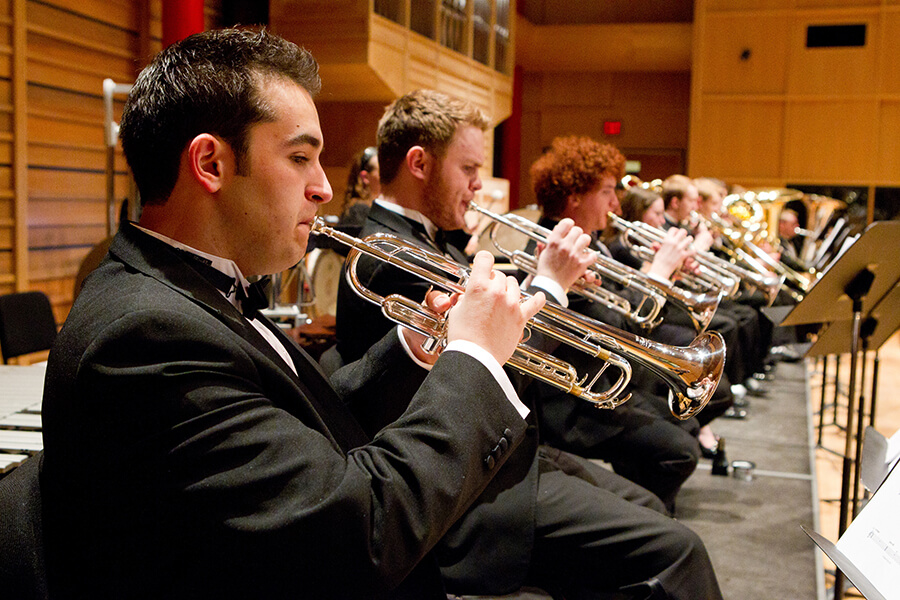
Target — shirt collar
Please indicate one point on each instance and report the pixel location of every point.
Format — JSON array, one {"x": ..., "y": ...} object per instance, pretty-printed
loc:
[
  {"x": 224, "y": 265},
  {"x": 410, "y": 213}
]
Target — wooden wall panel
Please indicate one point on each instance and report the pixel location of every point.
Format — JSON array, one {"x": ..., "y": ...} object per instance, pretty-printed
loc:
[
  {"x": 889, "y": 75},
  {"x": 66, "y": 49},
  {"x": 834, "y": 138},
  {"x": 742, "y": 140},
  {"x": 838, "y": 105},
  {"x": 888, "y": 157},
  {"x": 652, "y": 107},
  {"x": 746, "y": 57},
  {"x": 832, "y": 70},
  {"x": 11, "y": 211}
]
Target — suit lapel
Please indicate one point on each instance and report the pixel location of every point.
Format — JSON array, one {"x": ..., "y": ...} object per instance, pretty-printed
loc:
[
  {"x": 158, "y": 260},
  {"x": 409, "y": 229}
]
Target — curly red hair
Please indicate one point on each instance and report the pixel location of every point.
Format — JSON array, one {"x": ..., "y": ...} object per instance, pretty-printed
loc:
[{"x": 573, "y": 165}]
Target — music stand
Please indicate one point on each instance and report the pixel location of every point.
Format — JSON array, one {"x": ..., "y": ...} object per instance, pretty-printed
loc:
[
  {"x": 852, "y": 285},
  {"x": 875, "y": 330},
  {"x": 866, "y": 551}
]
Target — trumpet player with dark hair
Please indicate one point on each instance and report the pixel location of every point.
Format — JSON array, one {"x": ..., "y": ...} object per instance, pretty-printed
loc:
[
  {"x": 191, "y": 449},
  {"x": 550, "y": 519}
]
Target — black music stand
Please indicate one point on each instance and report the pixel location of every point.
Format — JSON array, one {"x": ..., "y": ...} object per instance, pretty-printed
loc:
[
  {"x": 881, "y": 323},
  {"x": 852, "y": 285}
]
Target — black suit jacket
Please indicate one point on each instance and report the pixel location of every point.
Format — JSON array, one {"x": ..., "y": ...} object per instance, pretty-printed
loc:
[
  {"x": 489, "y": 549},
  {"x": 184, "y": 459}
]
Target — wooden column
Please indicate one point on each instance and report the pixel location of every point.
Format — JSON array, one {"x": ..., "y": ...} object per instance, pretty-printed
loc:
[{"x": 20, "y": 146}]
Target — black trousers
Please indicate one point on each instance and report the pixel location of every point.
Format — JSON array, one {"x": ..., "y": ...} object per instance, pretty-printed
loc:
[{"x": 599, "y": 536}]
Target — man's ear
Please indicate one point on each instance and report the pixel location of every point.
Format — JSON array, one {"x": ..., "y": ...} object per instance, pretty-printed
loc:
[
  {"x": 419, "y": 162},
  {"x": 206, "y": 161}
]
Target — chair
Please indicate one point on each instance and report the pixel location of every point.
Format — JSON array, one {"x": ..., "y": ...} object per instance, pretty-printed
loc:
[
  {"x": 27, "y": 324},
  {"x": 22, "y": 569}
]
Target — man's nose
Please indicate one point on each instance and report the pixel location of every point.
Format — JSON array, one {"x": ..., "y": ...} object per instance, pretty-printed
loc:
[{"x": 319, "y": 190}]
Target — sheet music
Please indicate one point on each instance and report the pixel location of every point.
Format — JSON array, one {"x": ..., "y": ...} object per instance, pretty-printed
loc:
[
  {"x": 844, "y": 247},
  {"x": 893, "y": 452},
  {"x": 872, "y": 540}
]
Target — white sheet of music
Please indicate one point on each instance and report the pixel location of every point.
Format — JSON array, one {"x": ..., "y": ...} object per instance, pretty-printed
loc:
[{"x": 872, "y": 540}]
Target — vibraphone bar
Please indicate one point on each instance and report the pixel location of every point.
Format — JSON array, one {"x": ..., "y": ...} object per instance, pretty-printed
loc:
[{"x": 21, "y": 389}]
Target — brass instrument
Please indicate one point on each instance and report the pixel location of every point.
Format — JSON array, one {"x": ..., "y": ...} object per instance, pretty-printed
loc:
[
  {"x": 760, "y": 224},
  {"x": 700, "y": 307},
  {"x": 754, "y": 259},
  {"x": 715, "y": 275},
  {"x": 692, "y": 372},
  {"x": 754, "y": 211}
]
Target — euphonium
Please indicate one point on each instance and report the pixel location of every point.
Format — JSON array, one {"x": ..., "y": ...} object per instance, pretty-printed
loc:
[
  {"x": 699, "y": 307},
  {"x": 758, "y": 258},
  {"x": 692, "y": 372}
]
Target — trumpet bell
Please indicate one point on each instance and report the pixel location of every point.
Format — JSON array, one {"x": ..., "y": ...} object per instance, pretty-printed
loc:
[{"x": 699, "y": 374}]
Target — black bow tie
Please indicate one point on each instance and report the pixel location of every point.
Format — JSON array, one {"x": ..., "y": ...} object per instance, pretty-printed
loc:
[
  {"x": 251, "y": 301},
  {"x": 255, "y": 299}
]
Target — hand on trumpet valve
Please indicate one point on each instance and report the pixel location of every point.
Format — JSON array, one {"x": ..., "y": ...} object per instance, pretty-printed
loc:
[
  {"x": 565, "y": 256},
  {"x": 490, "y": 313},
  {"x": 439, "y": 303},
  {"x": 671, "y": 253},
  {"x": 703, "y": 239}
]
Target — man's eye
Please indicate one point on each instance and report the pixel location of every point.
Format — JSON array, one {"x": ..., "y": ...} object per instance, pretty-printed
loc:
[{"x": 300, "y": 159}]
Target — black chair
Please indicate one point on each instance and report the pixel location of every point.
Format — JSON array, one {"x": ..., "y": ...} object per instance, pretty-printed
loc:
[
  {"x": 27, "y": 324},
  {"x": 22, "y": 568}
]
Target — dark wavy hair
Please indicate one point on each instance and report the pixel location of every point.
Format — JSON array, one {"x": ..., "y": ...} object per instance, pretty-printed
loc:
[
  {"x": 206, "y": 83},
  {"x": 636, "y": 201},
  {"x": 573, "y": 165}
]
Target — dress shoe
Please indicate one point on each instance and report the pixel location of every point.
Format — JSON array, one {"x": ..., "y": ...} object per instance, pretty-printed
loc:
[
  {"x": 785, "y": 353},
  {"x": 735, "y": 413},
  {"x": 709, "y": 453},
  {"x": 754, "y": 387}
]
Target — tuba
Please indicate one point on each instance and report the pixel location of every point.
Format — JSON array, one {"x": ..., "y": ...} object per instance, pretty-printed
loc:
[{"x": 692, "y": 372}]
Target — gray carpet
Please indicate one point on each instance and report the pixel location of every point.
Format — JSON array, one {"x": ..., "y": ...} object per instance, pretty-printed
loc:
[{"x": 752, "y": 528}]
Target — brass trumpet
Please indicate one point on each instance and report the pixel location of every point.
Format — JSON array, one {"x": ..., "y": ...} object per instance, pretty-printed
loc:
[
  {"x": 714, "y": 271},
  {"x": 692, "y": 372},
  {"x": 699, "y": 307},
  {"x": 711, "y": 277}
]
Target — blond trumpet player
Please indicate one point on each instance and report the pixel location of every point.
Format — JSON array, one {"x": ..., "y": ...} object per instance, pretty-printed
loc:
[{"x": 430, "y": 149}]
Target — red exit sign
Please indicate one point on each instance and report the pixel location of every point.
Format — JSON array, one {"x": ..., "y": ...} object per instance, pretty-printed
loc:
[{"x": 612, "y": 127}]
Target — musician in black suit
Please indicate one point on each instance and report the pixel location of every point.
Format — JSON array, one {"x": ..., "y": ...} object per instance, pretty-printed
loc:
[
  {"x": 191, "y": 449},
  {"x": 575, "y": 178},
  {"x": 555, "y": 521},
  {"x": 745, "y": 357}
]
